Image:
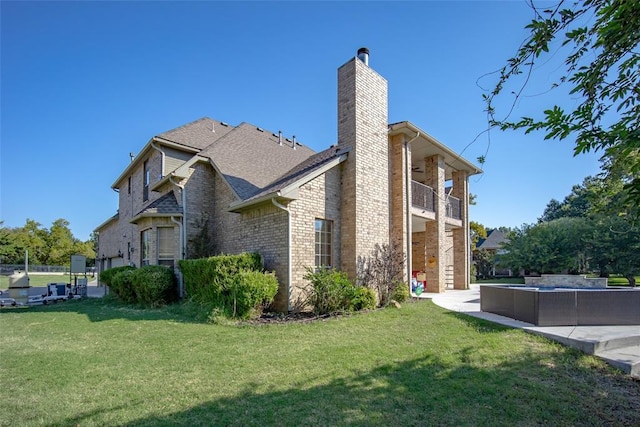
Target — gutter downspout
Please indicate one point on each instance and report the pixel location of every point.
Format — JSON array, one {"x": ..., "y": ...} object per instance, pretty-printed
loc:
[
  {"x": 179, "y": 273},
  {"x": 289, "y": 267},
  {"x": 408, "y": 196},
  {"x": 162, "y": 160},
  {"x": 183, "y": 226}
]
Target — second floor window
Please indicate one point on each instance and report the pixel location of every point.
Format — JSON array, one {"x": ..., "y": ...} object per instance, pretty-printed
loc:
[{"x": 146, "y": 177}]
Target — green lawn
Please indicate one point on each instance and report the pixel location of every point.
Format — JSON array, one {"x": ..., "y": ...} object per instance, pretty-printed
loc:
[{"x": 94, "y": 362}]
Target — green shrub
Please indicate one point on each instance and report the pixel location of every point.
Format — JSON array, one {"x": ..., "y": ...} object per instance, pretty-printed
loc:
[
  {"x": 154, "y": 285},
  {"x": 106, "y": 276},
  {"x": 122, "y": 286},
  {"x": 400, "y": 293},
  {"x": 363, "y": 299},
  {"x": 330, "y": 291},
  {"x": 231, "y": 286},
  {"x": 205, "y": 279},
  {"x": 250, "y": 293}
]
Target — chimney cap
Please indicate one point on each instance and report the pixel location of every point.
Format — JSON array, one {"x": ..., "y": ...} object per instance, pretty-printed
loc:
[{"x": 363, "y": 55}]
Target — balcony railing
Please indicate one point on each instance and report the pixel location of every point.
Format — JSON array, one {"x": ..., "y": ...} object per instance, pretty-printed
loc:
[
  {"x": 454, "y": 207},
  {"x": 422, "y": 196}
]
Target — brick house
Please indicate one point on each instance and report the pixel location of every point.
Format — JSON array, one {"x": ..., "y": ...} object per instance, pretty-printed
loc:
[{"x": 208, "y": 187}]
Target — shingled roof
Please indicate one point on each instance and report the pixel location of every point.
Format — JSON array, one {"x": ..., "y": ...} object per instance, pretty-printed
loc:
[
  {"x": 250, "y": 158},
  {"x": 495, "y": 239},
  {"x": 198, "y": 134},
  {"x": 302, "y": 170},
  {"x": 164, "y": 206}
]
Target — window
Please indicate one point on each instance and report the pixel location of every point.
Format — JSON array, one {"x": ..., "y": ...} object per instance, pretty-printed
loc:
[
  {"x": 129, "y": 185},
  {"x": 166, "y": 246},
  {"x": 145, "y": 247},
  {"x": 324, "y": 238},
  {"x": 146, "y": 177}
]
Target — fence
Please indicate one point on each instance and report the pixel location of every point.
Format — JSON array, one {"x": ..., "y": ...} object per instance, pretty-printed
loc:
[{"x": 10, "y": 268}]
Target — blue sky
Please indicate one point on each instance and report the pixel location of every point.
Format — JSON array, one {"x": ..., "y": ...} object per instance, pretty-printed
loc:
[{"x": 83, "y": 84}]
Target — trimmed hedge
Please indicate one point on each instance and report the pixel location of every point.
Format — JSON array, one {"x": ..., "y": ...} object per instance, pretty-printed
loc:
[
  {"x": 122, "y": 286},
  {"x": 206, "y": 278},
  {"x": 154, "y": 285},
  {"x": 234, "y": 285},
  {"x": 106, "y": 276},
  {"x": 250, "y": 293},
  {"x": 331, "y": 291},
  {"x": 151, "y": 285}
]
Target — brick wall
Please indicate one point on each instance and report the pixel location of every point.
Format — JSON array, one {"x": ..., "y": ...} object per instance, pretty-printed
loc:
[
  {"x": 262, "y": 229},
  {"x": 320, "y": 199},
  {"x": 199, "y": 188},
  {"x": 362, "y": 127}
]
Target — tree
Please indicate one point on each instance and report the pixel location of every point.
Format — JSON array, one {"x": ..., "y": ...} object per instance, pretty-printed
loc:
[
  {"x": 54, "y": 246},
  {"x": 484, "y": 261},
  {"x": 600, "y": 39},
  {"x": 7, "y": 244},
  {"x": 60, "y": 242},
  {"x": 478, "y": 231},
  {"x": 556, "y": 246},
  {"x": 579, "y": 203}
]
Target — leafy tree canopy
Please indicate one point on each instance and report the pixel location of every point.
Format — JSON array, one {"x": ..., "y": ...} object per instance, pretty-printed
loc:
[
  {"x": 599, "y": 40},
  {"x": 52, "y": 246}
]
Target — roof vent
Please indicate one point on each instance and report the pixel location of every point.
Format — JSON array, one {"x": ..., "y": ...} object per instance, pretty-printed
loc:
[
  {"x": 294, "y": 142},
  {"x": 363, "y": 55},
  {"x": 280, "y": 137}
]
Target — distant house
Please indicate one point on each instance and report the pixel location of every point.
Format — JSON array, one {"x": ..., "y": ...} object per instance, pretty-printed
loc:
[
  {"x": 209, "y": 187},
  {"x": 494, "y": 243}
]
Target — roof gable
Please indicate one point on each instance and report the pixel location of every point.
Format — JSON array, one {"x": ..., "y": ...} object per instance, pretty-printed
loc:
[
  {"x": 286, "y": 185},
  {"x": 250, "y": 158},
  {"x": 495, "y": 239}
]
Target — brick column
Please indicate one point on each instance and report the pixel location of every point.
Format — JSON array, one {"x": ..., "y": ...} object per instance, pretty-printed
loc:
[
  {"x": 399, "y": 226},
  {"x": 435, "y": 230},
  {"x": 461, "y": 242}
]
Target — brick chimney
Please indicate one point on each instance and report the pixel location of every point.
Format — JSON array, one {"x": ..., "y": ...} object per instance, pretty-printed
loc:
[{"x": 362, "y": 128}]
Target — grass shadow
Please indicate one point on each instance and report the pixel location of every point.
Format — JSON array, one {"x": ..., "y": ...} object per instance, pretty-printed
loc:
[
  {"x": 478, "y": 324},
  {"x": 428, "y": 391}
]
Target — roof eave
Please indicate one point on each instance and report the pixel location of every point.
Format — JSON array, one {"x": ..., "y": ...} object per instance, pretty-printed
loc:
[
  {"x": 105, "y": 223},
  {"x": 403, "y": 127},
  {"x": 180, "y": 173},
  {"x": 138, "y": 217},
  {"x": 148, "y": 146}
]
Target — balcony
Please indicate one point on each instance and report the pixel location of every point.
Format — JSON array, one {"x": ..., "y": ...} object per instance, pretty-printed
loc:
[
  {"x": 454, "y": 207},
  {"x": 423, "y": 197}
]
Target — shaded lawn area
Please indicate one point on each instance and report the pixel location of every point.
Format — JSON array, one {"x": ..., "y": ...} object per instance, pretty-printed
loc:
[{"x": 94, "y": 362}]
